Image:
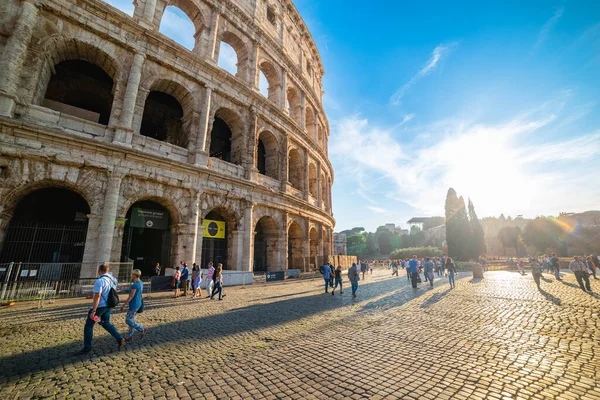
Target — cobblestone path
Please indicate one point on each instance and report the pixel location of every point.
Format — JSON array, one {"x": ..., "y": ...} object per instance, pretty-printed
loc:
[{"x": 496, "y": 338}]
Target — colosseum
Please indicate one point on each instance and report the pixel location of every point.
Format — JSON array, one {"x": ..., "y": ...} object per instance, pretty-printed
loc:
[{"x": 118, "y": 144}]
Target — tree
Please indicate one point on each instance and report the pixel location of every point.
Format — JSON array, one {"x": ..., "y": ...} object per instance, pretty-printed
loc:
[
  {"x": 544, "y": 233},
  {"x": 355, "y": 240},
  {"x": 510, "y": 237},
  {"x": 432, "y": 222},
  {"x": 458, "y": 229},
  {"x": 385, "y": 241},
  {"x": 477, "y": 242},
  {"x": 371, "y": 245}
]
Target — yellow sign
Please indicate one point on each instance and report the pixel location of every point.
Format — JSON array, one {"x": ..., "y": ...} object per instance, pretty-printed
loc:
[{"x": 214, "y": 229}]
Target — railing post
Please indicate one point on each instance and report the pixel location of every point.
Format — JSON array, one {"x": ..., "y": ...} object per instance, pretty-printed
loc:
[
  {"x": 15, "y": 284},
  {"x": 5, "y": 283}
]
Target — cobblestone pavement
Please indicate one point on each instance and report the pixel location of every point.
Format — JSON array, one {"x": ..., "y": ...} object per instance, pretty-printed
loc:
[{"x": 496, "y": 338}]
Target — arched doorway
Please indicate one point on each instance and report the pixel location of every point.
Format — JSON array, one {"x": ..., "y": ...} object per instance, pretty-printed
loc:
[
  {"x": 295, "y": 259},
  {"x": 215, "y": 240},
  {"x": 267, "y": 155},
  {"x": 314, "y": 243},
  {"x": 147, "y": 238},
  {"x": 48, "y": 225},
  {"x": 266, "y": 245},
  {"x": 163, "y": 119},
  {"x": 295, "y": 169}
]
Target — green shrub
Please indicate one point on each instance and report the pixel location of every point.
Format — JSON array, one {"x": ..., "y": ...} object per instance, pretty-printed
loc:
[{"x": 428, "y": 251}]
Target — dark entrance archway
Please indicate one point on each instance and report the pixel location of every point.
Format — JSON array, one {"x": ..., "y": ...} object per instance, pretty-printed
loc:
[
  {"x": 147, "y": 238},
  {"x": 215, "y": 240},
  {"x": 266, "y": 245},
  {"x": 49, "y": 225},
  {"x": 295, "y": 259}
]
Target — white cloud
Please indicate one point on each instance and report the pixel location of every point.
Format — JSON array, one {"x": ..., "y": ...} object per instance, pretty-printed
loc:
[
  {"x": 124, "y": 5},
  {"x": 547, "y": 28},
  {"x": 503, "y": 168},
  {"x": 377, "y": 210},
  {"x": 441, "y": 51}
]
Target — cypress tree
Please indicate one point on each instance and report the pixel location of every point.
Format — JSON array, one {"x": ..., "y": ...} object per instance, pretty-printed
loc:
[{"x": 477, "y": 234}]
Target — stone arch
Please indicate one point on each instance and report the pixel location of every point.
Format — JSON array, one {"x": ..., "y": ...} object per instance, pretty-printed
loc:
[
  {"x": 241, "y": 51},
  {"x": 324, "y": 191},
  {"x": 64, "y": 80},
  {"x": 272, "y": 75},
  {"x": 320, "y": 137},
  {"x": 295, "y": 252},
  {"x": 294, "y": 106},
  {"x": 229, "y": 207},
  {"x": 295, "y": 169},
  {"x": 313, "y": 237},
  {"x": 168, "y": 112},
  {"x": 267, "y": 154},
  {"x": 266, "y": 244},
  {"x": 312, "y": 180},
  {"x": 226, "y": 141},
  {"x": 193, "y": 12}
]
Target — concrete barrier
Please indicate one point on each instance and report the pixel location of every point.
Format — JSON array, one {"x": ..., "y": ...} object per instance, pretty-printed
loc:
[
  {"x": 293, "y": 273},
  {"x": 232, "y": 278}
]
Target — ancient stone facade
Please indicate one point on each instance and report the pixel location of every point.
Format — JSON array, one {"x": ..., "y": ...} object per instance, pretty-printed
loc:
[{"x": 102, "y": 104}]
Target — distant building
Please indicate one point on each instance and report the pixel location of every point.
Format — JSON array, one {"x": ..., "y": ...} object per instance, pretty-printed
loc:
[
  {"x": 417, "y": 221},
  {"x": 339, "y": 243},
  {"x": 394, "y": 228}
]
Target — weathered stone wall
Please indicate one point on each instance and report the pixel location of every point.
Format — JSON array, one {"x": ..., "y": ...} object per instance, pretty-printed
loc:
[{"x": 113, "y": 166}]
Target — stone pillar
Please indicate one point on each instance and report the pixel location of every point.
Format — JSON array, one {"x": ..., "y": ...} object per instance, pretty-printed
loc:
[
  {"x": 316, "y": 123},
  {"x": 200, "y": 154},
  {"x": 306, "y": 178},
  {"x": 147, "y": 20},
  {"x": 248, "y": 245},
  {"x": 124, "y": 132},
  {"x": 236, "y": 243},
  {"x": 13, "y": 56},
  {"x": 284, "y": 164},
  {"x": 250, "y": 164},
  {"x": 91, "y": 241},
  {"x": 109, "y": 216},
  {"x": 199, "y": 238},
  {"x": 191, "y": 241},
  {"x": 303, "y": 112},
  {"x": 284, "y": 90},
  {"x": 320, "y": 242},
  {"x": 210, "y": 39},
  {"x": 253, "y": 63},
  {"x": 186, "y": 242},
  {"x": 283, "y": 244},
  {"x": 319, "y": 185}
]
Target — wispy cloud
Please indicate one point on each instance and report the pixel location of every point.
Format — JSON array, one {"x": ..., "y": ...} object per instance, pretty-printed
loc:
[
  {"x": 377, "y": 210},
  {"x": 441, "y": 51},
  {"x": 124, "y": 5},
  {"x": 504, "y": 167},
  {"x": 176, "y": 25},
  {"x": 547, "y": 28}
]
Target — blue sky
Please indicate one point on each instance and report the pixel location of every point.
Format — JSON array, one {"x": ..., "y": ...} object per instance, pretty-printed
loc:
[{"x": 497, "y": 99}]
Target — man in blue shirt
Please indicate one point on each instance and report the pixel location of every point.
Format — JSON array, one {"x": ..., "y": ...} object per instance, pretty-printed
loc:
[
  {"x": 100, "y": 312},
  {"x": 326, "y": 271},
  {"x": 185, "y": 273},
  {"x": 414, "y": 271}
]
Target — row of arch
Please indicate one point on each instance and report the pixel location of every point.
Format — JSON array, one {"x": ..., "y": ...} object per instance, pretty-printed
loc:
[
  {"x": 81, "y": 85},
  {"x": 240, "y": 57}
]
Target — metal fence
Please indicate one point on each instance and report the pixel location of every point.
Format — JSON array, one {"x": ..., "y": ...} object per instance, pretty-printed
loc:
[{"x": 49, "y": 281}]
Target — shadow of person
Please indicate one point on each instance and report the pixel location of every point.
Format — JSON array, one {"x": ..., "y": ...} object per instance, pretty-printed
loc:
[
  {"x": 475, "y": 280},
  {"x": 546, "y": 279},
  {"x": 550, "y": 297},
  {"x": 570, "y": 284}
]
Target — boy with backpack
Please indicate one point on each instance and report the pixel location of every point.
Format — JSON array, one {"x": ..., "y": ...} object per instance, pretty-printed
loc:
[{"x": 104, "y": 300}]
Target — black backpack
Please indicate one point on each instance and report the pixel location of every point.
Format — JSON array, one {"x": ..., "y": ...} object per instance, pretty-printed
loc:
[
  {"x": 112, "y": 299},
  {"x": 322, "y": 269}
]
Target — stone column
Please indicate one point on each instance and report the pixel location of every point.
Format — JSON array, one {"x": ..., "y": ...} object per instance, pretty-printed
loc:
[
  {"x": 210, "y": 38},
  {"x": 250, "y": 164},
  {"x": 236, "y": 242},
  {"x": 109, "y": 216},
  {"x": 248, "y": 245},
  {"x": 303, "y": 111},
  {"x": 283, "y": 244},
  {"x": 284, "y": 164},
  {"x": 306, "y": 176},
  {"x": 253, "y": 70},
  {"x": 91, "y": 241},
  {"x": 199, "y": 238},
  {"x": 14, "y": 54},
  {"x": 319, "y": 185},
  {"x": 284, "y": 90},
  {"x": 316, "y": 123},
  {"x": 124, "y": 132},
  {"x": 320, "y": 242},
  {"x": 200, "y": 154},
  {"x": 147, "y": 20}
]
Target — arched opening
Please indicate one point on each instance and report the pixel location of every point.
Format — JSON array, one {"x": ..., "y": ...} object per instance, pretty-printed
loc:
[
  {"x": 324, "y": 191},
  {"x": 269, "y": 81},
  {"x": 312, "y": 180},
  {"x": 226, "y": 138},
  {"x": 320, "y": 138},
  {"x": 310, "y": 123},
  {"x": 295, "y": 169},
  {"x": 228, "y": 59},
  {"x": 48, "y": 225},
  {"x": 81, "y": 89},
  {"x": 266, "y": 245},
  {"x": 295, "y": 258},
  {"x": 215, "y": 240},
  {"x": 267, "y": 157},
  {"x": 294, "y": 106},
  {"x": 147, "y": 238},
  {"x": 127, "y": 7},
  {"x": 163, "y": 119},
  {"x": 314, "y": 243},
  {"x": 182, "y": 22}
]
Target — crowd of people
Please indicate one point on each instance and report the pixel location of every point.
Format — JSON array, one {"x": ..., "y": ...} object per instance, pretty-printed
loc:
[{"x": 428, "y": 266}]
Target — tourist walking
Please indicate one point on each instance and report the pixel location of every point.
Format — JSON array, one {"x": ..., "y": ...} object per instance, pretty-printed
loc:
[
  {"x": 371, "y": 269},
  {"x": 428, "y": 267},
  {"x": 413, "y": 265},
  {"x": 536, "y": 271},
  {"x": 394, "y": 268},
  {"x": 196, "y": 283},
  {"x": 185, "y": 282},
  {"x": 326, "y": 271},
  {"x": 135, "y": 303},
  {"x": 581, "y": 273},
  {"x": 363, "y": 268},
  {"x": 596, "y": 262},
  {"x": 591, "y": 266},
  {"x": 103, "y": 301},
  {"x": 338, "y": 280},
  {"x": 555, "y": 266},
  {"x": 407, "y": 266},
  {"x": 451, "y": 271},
  {"x": 177, "y": 281},
  {"x": 209, "y": 279},
  {"x": 157, "y": 269},
  {"x": 218, "y": 279},
  {"x": 353, "y": 277},
  {"x": 331, "y": 275}
]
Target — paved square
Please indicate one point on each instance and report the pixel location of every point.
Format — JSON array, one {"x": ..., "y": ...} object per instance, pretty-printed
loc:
[{"x": 498, "y": 338}]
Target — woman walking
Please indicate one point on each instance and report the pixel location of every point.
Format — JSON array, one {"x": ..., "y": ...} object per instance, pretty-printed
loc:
[
  {"x": 450, "y": 270},
  {"x": 218, "y": 279},
  {"x": 177, "y": 279},
  {"x": 536, "y": 271},
  {"x": 197, "y": 278},
  {"x": 135, "y": 303},
  {"x": 338, "y": 280}
]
